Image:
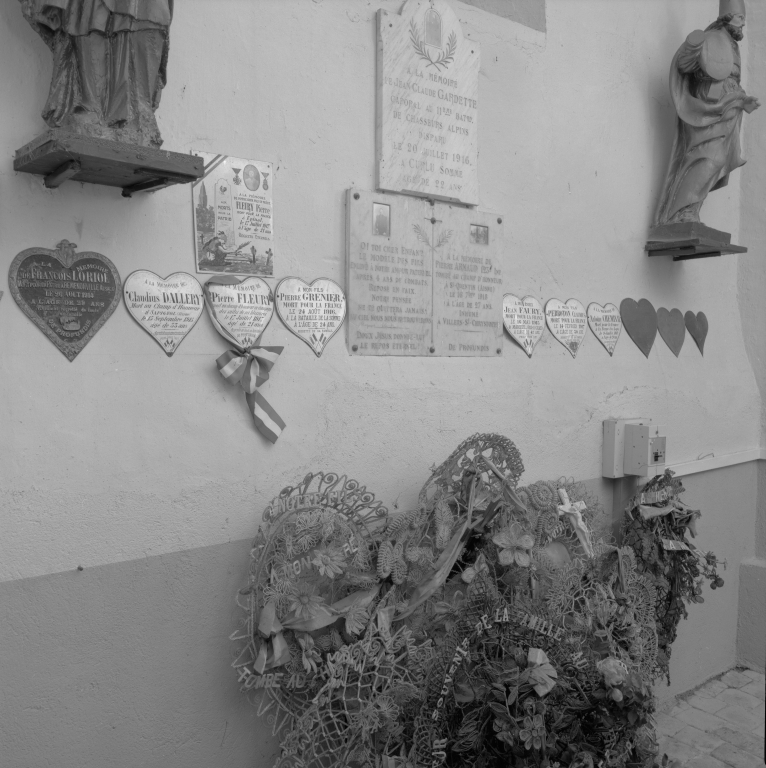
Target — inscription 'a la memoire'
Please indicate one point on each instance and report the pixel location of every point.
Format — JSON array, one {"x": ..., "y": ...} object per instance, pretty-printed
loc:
[{"x": 428, "y": 88}]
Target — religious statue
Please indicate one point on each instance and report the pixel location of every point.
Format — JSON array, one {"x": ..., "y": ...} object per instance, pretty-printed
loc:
[
  {"x": 709, "y": 100},
  {"x": 109, "y": 65}
]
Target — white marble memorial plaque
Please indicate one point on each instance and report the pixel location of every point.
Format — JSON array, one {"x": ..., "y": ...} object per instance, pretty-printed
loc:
[
  {"x": 606, "y": 324},
  {"x": 243, "y": 309},
  {"x": 427, "y": 111},
  {"x": 314, "y": 313},
  {"x": 567, "y": 322},
  {"x": 233, "y": 216},
  {"x": 524, "y": 320},
  {"x": 167, "y": 309},
  {"x": 432, "y": 285}
]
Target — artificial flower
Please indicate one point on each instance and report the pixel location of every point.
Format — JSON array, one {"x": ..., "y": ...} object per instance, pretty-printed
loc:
[
  {"x": 533, "y": 732},
  {"x": 356, "y": 618},
  {"x": 311, "y": 656},
  {"x": 514, "y": 546},
  {"x": 613, "y": 670},
  {"x": 329, "y": 562},
  {"x": 478, "y": 568},
  {"x": 304, "y": 602}
]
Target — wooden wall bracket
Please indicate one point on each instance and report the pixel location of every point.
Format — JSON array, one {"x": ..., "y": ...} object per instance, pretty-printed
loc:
[
  {"x": 60, "y": 156},
  {"x": 690, "y": 240}
]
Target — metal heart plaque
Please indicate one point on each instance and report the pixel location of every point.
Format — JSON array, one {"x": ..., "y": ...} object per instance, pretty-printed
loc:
[
  {"x": 567, "y": 322},
  {"x": 67, "y": 295},
  {"x": 524, "y": 320},
  {"x": 606, "y": 324},
  {"x": 243, "y": 308},
  {"x": 167, "y": 309},
  {"x": 313, "y": 312}
]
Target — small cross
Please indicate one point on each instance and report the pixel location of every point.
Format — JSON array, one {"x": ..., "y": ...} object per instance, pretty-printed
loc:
[{"x": 574, "y": 512}]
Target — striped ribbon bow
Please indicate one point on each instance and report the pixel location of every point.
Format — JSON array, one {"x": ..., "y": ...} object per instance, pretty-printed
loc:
[
  {"x": 247, "y": 367},
  {"x": 250, "y": 368}
]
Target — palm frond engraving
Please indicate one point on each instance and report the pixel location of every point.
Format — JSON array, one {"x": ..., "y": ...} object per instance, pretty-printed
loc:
[
  {"x": 443, "y": 238},
  {"x": 446, "y": 56},
  {"x": 422, "y": 235}
]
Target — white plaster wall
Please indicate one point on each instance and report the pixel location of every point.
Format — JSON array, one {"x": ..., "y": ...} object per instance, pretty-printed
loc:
[{"x": 126, "y": 453}]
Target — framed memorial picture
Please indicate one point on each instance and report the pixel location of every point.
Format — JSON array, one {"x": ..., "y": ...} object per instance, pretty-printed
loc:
[{"x": 233, "y": 216}]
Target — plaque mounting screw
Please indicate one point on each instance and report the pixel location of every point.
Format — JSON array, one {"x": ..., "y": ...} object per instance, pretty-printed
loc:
[
  {"x": 433, "y": 220},
  {"x": 499, "y": 351},
  {"x": 79, "y": 568},
  {"x": 499, "y": 221},
  {"x": 355, "y": 348},
  {"x": 432, "y": 349},
  {"x": 356, "y": 195}
]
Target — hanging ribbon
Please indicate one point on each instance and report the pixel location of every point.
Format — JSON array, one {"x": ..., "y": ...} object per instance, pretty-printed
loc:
[
  {"x": 274, "y": 650},
  {"x": 249, "y": 368}
]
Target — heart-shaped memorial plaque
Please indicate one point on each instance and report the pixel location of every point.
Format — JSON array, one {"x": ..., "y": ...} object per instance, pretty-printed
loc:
[
  {"x": 313, "y": 312},
  {"x": 671, "y": 326},
  {"x": 167, "y": 309},
  {"x": 697, "y": 326},
  {"x": 606, "y": 324},
  {"x": 640, "y": 321},
  {"x": 524, "y": 320},
  {"x": 240, "y": 308},
  {"x": 567, "y": 322},
  {"x": 67, "y": 295}
]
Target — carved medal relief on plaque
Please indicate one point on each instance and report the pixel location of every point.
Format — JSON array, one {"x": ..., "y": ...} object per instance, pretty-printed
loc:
[
  {"x": 428, "y": 91},
  {"x": 423, "y": 279}
]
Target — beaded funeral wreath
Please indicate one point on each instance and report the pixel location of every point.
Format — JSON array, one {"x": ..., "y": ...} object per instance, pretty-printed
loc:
[{"x": 489, "y": 626}]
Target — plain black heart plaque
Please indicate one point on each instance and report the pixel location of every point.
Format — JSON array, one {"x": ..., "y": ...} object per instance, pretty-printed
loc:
[
  {"x": 697, "y": 325},
  {"x": 640, "y": 321},
  {"x": 67, "y": 295}
]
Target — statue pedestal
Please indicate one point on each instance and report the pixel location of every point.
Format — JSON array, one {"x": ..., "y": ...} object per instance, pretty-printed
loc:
[
  {"x": 60, "y": 156},
  {"x": 690, "y": 240}
]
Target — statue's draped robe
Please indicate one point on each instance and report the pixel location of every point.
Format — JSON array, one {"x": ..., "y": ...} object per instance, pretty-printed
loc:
[
  {"x": 109, "y": 63},
  {"x": 707, "y": 146}
]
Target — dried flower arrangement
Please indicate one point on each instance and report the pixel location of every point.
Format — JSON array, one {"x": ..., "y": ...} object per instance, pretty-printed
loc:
[
  {"x": 655, "y": 527},
  {"x": 488, "y": 626}
]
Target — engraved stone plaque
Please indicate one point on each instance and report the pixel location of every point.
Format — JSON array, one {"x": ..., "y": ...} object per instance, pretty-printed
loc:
[
  {"x": 314, "y": 313},
  {"x": 67, "y": 295},
  {"x": 432, "y": 286},
  {"x": 243, "y": 308},
  {"x": 167, "y": 309},
  {"x": 524, "y": 320},
  {"x": 427, "y": 110}
]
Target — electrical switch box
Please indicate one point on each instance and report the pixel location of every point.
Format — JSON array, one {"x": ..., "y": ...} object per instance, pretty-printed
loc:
[
  {"x": 613, "y": 452},
  {"x": 644, "y": 450}
]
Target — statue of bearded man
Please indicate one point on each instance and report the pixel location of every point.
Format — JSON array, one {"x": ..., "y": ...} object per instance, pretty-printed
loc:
[
  {"x": 706, "y": 91},
  {"x": 109, "y": 65}
]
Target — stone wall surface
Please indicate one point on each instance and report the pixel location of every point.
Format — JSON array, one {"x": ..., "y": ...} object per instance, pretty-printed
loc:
[{"x": 147, "y": 471}]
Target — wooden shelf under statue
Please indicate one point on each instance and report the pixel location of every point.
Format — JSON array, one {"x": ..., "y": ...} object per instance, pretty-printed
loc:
[
  {"x": 709, "y": 101},
  {"x": 109, "y": 68}
]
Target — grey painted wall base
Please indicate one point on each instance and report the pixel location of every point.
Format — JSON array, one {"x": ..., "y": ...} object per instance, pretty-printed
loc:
[
  {"x": 751, "y": 634},
  {"x": 127, "y": 665}
]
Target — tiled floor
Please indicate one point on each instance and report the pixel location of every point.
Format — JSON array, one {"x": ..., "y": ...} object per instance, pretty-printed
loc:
[{"x": 719, "y": 725}]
